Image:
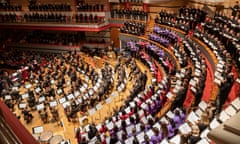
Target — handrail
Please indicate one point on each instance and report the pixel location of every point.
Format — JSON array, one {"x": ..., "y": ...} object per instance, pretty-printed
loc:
[{"x": 7, "y": 136}]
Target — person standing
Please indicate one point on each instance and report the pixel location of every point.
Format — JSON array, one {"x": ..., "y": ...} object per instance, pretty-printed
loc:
[{"x": 78, "y": 136}]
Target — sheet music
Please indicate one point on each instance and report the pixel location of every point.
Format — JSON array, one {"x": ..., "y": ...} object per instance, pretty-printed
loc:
[
  {"x": 164, "y": 120},
  {"x": 119, "y": 89},
  {"x": 87, "y": 128},
  {"x": 53, "y": 103},
  {"x": 170, "y": 114},
  {"x": 157, "y": 125},
  {"x": 140, "y": 137},
  {"x": 185, "y": 129},
  {"x": 98, "y": 106},
  {"x": 82, "y": 89},
  {"x": 140, "y": 112},
  {"x": 176, "y": 89},
  {"x": 68, "y": 83},
  {"x": 93, "y": 140},
  {"x": 198, "y": 66},
  {"x": 97, "y": 85},
  {"x": 99, "y": 80},
  {"x": 118, "y": 123},
  {"x": 217, "y": 81},
  {"x": 66, "y": 142},
  {"x": 22, "y": 105},
  {"x": 41, "y": 99},
  {"x": 91, "y": 92},
  {"x": 114, "y": 94},
  {"x": 220, "y": 70},
  {"x": 76, "y": 93},
  {"x": 192, "y": 117},
  {"x": 59, "y": 91},
  {"x": 70, "y": 96},
  {"x": 109, "y": 125},
  {"x": 119, "y": 134},
  {"x": 128, "y": 121},
  {"x": 65, "y": 104},
  {"x": 202, "y": 105},
  {"x": 38, "y": 89},
  {"x": 7, "y": 97},
  {"x": 169, "y": 95},
  {"x": 223, "y": 116},
  {"x": 192, "y": 82},
  {"x": 27, "y": 86},
  {"x": 95, "y": 88},
  {"x": 193, "y": 89},
  {"x": 144, "y": 120},
  {"x": 150, "y": 133},
  {"x": 149, "y": 101},
  {"x": 108, "y": 100},
  {"x": 197, "y": 73},
  {"x": 230, "y": 110},
  {"x": 204, "y": 133},
  {"x": 154, "y": 80},
  {"x": 128, "y": 110},
  {"x": 85, "y": 85},
  {"x": 26, "y": 95},
  {"x": 40, "y": 106},
  {"x": 221, "y": 62},
  {"x": 38, "y": 129},
  {"x": 220, "y": 66},
  {"x": 15, "y": 88},
  {"x": 203, "y": 141},
  {"x": 164, "y": 141},
  {"x": 199, "y": 112},
  {"x": 176, "y": 139},
  {"x": 143, "y": 106},
  {"x": 129, "y": 140},
  {"x": 52, "y": 81},
  {"x": 132, "y": 104},
  {"x": 91, "y": 111},
  {"x": 62, "y": 100},
  {"x": 129, "y": 129},
  {"x": 236, "y": 103},
  {"x": 82, "y": 119},
  {"x": 86, "y": 78}
]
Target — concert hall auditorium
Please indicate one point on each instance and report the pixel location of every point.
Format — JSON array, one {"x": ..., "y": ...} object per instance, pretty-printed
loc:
[{"x": 119, "y": 71}]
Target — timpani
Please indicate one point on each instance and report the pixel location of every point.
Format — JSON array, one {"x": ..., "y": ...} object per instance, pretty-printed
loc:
[
  {"x": 56, "y": 139},
  {"x": 45, "y": 137}
]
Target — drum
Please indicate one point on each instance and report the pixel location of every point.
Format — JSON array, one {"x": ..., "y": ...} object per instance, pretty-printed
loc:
[
  {"x": 56, "y": 139},
  {"x": 45, "y": 137}
]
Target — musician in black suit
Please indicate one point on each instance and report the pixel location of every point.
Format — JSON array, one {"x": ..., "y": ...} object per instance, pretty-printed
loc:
[{"x": 235, "y": 9}]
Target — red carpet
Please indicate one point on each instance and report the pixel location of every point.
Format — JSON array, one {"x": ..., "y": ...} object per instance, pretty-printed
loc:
[
  {"x": 189, "y": 99},
  {"x": 208, "y": 84},
  {"x": 235, "y": 90}
]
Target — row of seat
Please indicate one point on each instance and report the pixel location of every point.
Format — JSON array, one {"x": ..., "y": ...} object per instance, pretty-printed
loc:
[
  {"x": 49, "y": 7},
  {"x": 132, "y": 14},
  {"x": 50, "y": 17},
  {"x": 8, "y": 7},
  {"x": 136, "y": 28},
  {"x": 90, "y": 7}
]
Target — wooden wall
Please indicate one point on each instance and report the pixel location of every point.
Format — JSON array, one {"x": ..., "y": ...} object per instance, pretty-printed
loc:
[{"x": 114, "y": 32}]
